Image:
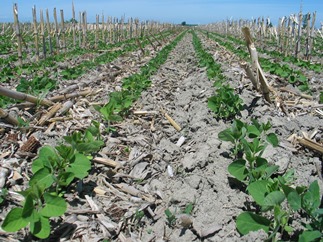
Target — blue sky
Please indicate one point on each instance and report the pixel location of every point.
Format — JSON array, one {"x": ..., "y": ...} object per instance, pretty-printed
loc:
[{"x": 171, "y": 11}]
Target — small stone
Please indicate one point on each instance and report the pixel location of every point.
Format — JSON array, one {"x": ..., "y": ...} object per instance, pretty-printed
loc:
[{"x": 185, "y": 220}]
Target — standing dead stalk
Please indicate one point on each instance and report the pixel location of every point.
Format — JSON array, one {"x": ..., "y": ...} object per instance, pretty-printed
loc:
[
  {"x": 17, "y": 31},
  {"x": 265, "y": 88},
  {"x": 35, "y": 33}
]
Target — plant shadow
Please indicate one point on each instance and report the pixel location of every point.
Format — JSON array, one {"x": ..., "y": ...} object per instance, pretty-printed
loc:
[
  {"x": 237, "y": 185},
  {"x": 252, "y": 106}
]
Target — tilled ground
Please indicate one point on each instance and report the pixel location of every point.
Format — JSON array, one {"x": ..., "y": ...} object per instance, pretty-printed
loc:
[{"x": 156, "y": 171}]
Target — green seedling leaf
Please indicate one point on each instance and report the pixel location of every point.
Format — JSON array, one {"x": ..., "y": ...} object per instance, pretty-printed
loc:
[
  {"x": 247, "y": 148},
  {"x": 309, "y": 236},
  {"x": 311, "y": 199},
  {"x": 40, "y": 228},
  {"x": 65, "y": 178},
  {"x": 321, "y": 98},
  {"x": 29, "y": 213},
  {"x": 34, "y": 191},
  {"x": 189, "y": 208},
  {"x": 304, "y": 88},
  {"x": 55, "y": 206},
  {"x": 319, "y": 211},
  {"x": 3, "y": 194},
  {"x": 303, "y": 79},
  {"x": 288, "y": 229},
  {"x": 239, "y": 129},
  {"x": 253, "y": 131},
  {"x": 139, "y": 215},
  {"x": 292, "y": 79},
  {"x": 115, "y": 118},
  {"x": 272, "y": 139},
  {"x": 247, "y": 222},
  {"x": 14, "y": 221},
  {"x": 287, "y": 189},
  {"x": 274, "y": 198},
  {"x": 288, "y": 178},
  {"x": 170, "y": 217},
  {"x": 258, "y": 172},
  {"x": 226, "y": 135},
  {"x": 80, "y": 166},
  {"x": 261, "y": 162},
  {"x": 42, "y": 178},
  {"x": 294, "y": 200},
  {"x": 301, "y": 189},
  {"x": 315, "y": 190},
  {"x": 89, "y": 147},
  {"x": 271, "y": 170},
  {"x": 66, "y": 152},
  {"x": 47, "y": 158},
  {"x": 267, "y": 126},
  {"x": 258, "y": 190},
  {"x": 238, "y": 169}
]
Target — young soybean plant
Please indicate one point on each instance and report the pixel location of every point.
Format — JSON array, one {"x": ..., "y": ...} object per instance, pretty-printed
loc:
[
  {"x": 53, "y": 170},
  {"x": 268, "y": 189},
  {"x": 225, "y": 104}
]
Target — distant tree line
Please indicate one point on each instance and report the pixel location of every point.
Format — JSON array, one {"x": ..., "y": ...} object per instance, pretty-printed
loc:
[{"x": 185, "y": 24}]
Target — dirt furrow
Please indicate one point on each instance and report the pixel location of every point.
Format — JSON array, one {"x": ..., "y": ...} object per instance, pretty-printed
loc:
[{"x": 199, "y": 167}]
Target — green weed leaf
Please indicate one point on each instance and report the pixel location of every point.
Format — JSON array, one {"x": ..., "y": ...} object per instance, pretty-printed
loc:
[
  {"x": 14, "y": 221},
  {"x": 247, "y": 222}
]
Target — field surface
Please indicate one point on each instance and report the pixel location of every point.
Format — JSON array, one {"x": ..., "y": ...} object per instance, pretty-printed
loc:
[{"x": 148, "y": 179}]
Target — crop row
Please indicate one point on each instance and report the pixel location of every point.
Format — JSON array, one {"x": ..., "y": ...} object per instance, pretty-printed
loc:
[
  {"x": 279, "y": 203},
  {"x": 41, "y": 77},
  {"x": 284, "y": 71},
  {"x": 225, "y": 103},
  {"x": 57, "y": 167},
  {"x": 308, "y": 65}
]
